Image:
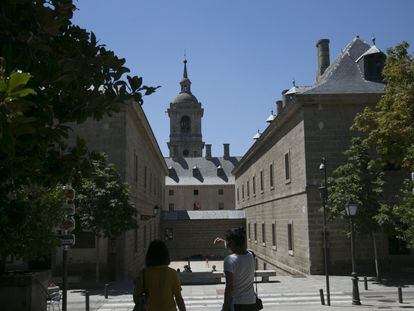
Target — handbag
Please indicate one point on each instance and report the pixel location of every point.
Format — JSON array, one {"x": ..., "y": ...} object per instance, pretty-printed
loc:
[
  {"x": 142, "y": 302},
  {"x": 259, "y": 303}
]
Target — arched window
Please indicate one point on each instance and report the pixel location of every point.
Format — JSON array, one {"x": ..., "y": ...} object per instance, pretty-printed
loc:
[{"x": 185, "y": 124}]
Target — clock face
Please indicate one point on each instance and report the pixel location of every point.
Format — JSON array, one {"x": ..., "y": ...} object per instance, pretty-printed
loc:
[{"x": 185, "y": 124}]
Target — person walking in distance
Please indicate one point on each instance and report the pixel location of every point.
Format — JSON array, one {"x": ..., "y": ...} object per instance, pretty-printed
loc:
[
  {"x": 239, "y": 268},
  {"x": 157, "y": 287}
]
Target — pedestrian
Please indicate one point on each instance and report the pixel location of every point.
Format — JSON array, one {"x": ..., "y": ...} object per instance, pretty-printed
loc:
[
  {"x": 239, "y": 268},
  {"x": 157, "y": 287}
]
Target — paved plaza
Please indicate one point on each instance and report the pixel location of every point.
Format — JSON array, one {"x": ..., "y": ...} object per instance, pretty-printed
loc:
[{"x": 281, "y": 293}]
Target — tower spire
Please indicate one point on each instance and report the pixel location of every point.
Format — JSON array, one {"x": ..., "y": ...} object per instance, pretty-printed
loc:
[{"x": 185, "y": 82}]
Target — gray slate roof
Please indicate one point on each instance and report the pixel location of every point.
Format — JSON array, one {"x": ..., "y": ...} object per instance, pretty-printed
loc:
[
  {"x": 344, "y": 75},
  {"x": 207, "y": 172},
  {"x": 203, "y": 215}
]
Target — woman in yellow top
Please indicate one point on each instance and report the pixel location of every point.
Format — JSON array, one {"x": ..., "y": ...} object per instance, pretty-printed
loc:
[{"x": 160, "y": 283}]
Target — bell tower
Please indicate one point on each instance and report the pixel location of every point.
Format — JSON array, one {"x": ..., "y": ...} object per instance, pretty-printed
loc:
[{"x": 185, "y": 113}]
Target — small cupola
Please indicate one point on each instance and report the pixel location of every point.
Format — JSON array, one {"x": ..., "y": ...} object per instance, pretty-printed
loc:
[{"x": 371, "y": 63}]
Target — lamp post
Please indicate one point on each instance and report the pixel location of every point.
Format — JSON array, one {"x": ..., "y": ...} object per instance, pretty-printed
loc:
[
  {"x": 324, "y": 196},
  {"x": 154, "y": 214},
  {"x": 351, "y": 210}
]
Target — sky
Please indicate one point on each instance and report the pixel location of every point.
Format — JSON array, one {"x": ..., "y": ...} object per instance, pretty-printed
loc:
[{"x": 241, "y": 53}]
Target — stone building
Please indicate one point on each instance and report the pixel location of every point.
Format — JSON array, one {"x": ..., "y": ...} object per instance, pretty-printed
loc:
[
  {"x": 128, "y": 140},
  {"x": 277, "y": 179},
  {"x": 195, "y": 183}
]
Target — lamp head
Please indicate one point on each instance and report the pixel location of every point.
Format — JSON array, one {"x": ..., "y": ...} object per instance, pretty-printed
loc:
[{"x": 351, "y": 209}]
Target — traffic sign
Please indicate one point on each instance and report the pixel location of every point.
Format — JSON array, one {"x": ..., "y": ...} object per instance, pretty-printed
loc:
[
  {"x": 68, "y": 224},
  {"x": 69, "y": 209},
  {"x": 67, "y": 239}
]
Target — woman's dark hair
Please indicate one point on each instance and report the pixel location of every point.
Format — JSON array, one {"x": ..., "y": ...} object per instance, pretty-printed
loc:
[
  {"x": 237, "y": 236},
  {"x": 157, "y": 254}
]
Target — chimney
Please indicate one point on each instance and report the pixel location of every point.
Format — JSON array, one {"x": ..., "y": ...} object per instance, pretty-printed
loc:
[
  {"x": 226, "y": 151},
  {"x": 279, "y": 106},
  {"x": 323, "y": 57},
  {"x": 208, "y": 151}
]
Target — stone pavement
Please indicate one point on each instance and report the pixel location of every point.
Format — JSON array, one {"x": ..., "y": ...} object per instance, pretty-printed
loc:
[{"x": 281, "y": 293}]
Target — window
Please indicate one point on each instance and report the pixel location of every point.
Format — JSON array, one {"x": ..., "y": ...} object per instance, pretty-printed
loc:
[
  {"x": 261, "y": 181},
  {"x": 171, "y": 192},
  {"x": 196, "y": 206},
  {"x": 243, "y": 191},
  {"x": 274, "y": 235},
  {"x": 195, "y": 191},
  {"x": 290, "y": 238},
  {"x": 263, "y": 234},
  {"x": 168, "y": 234},
  {"x": 249, "y": 233},
  {"x": 287, "y": 167},
  {"x": 248, "y": 189},
  {"x": 238, "y": 194},
  {"x": 135, "y": 166},
  {"x": 136, "y": 240},
  {"x": 145, "y": 237},
  {"x": 221, "y": 205},
  {"x": 185, "y": 124},
  {"x": 271, "y": 176},
  {"x": 145, "y": 177},
  {"x": 220, "y": 191},
  {"x": 264, "y": 266},
  {"x": 171, "y": 207},
  {"x": 150, "y": 181},
  {"x": 254, "y": 185},
  {"x": 255, "y": 232}
]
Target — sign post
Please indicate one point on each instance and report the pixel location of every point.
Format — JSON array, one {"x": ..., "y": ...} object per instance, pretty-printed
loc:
[{"x": 67, "y": 240}]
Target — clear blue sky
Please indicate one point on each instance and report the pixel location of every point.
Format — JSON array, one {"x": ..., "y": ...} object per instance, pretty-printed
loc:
[{"x": 241, "y": 53}]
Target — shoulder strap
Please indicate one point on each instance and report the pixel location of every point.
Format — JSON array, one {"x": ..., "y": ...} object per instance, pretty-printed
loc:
[{"x": 254, "y": 263}]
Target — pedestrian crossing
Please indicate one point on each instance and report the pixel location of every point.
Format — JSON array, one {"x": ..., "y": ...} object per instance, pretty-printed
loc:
[{"x": 216, "y": 301}]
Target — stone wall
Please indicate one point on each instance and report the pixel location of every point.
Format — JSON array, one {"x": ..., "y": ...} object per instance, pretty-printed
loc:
[
  {"x": 195, "y": 237},
  {"x": 208, "y": 197},
  {"x": 127, "y": 139}
]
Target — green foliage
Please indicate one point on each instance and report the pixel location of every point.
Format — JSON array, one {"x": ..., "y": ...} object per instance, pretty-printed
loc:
[
  {"x": 390, "y": 126},
  {"x": 26, "y": 219},
  {"x": 360, "y": 182},
  {"x": 401, "y": 216},
  {"x": 390, "y": 129},
  {"x": 51, "y": 72},
  {"x": 102, "y": 201}
]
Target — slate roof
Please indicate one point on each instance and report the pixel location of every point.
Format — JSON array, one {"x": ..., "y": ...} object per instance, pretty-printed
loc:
[
  {"x": 213, "y": 171},
  {"x": 344, "y": 75},
  {"x": 203, "y": 215}
]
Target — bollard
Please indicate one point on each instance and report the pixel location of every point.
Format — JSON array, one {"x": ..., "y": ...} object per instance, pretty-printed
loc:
[
  {"x": 106, "y": 291},
  {"x": 86, "y": 300},
  {"x": 365, "y": 283},
  {"x": 322, "y": 297},
  {"x": 400, "y": 298}
]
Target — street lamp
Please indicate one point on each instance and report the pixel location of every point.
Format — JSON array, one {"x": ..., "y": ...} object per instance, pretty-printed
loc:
[
  {"x": 324, "y": 196},
  {"x": 351, "y": 210}
]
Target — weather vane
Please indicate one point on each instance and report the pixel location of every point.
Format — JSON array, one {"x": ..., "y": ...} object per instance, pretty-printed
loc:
[{"x": 373, "y": 39}]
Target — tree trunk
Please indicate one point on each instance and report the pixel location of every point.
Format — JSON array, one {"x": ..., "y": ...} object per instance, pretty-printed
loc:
[
  {"x": 97, "y": 279},
  {"x": 377, "y": 271},
  {"x": 3, "y": 259}
]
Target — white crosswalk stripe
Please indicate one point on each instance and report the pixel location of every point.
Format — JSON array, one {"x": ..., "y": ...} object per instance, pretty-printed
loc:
[{"x": 200, "y": 302}]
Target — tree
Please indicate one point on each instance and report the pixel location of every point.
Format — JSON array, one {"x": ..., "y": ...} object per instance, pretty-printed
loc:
[
  {"x": 359, "y": 181},
  {"x": 73, "y": 77},
  {"x": 102, "y": 203},
  {"x": 390, "y": 130}
]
